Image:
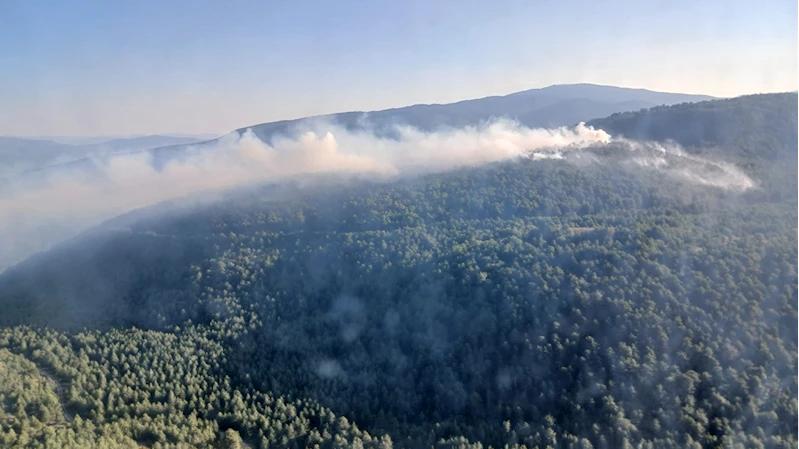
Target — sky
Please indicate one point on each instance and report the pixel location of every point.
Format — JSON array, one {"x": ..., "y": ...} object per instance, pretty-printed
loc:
[{"x": 98, "y": 67}]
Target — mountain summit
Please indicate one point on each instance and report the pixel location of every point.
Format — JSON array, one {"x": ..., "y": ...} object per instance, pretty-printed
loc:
[{"x": 553, "y": 106}]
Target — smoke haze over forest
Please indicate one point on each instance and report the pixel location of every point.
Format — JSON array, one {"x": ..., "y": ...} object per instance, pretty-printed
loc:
[
  {"x": 39, "y": 209},
  {"x": 399, "y": 225}
]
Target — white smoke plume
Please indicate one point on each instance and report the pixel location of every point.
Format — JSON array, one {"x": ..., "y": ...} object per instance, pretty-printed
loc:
[
  {"x": 64, "y": 203},
  {"x": 668, "y": 158}
]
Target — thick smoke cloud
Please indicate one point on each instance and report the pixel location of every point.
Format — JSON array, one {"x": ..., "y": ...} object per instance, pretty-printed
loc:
[{"x": 61, "y": 203}]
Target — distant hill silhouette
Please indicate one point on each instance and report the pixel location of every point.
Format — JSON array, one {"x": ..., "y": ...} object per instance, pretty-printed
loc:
[
  {"x": 145, "y": 142},
  {"x": 29, "y": 154},
  {"x": 559, "y": 105},
  {"x": 552, "y": 106}
]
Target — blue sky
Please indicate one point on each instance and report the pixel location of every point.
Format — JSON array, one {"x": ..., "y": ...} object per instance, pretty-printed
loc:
[{"x": 103, "y": 67}]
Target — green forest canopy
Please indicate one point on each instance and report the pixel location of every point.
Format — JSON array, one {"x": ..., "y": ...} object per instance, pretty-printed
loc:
[{"x": 526, "y": 303}]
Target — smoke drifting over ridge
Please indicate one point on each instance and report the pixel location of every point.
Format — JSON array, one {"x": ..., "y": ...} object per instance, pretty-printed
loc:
[{"x": 63, "y": 203}]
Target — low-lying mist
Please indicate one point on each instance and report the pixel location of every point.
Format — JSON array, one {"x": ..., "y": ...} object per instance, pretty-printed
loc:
[{"x": 59, "y": 203}]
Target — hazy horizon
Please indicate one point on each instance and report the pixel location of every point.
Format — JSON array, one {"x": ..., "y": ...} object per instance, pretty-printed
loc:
[
  {"x": 99, "y": 68},
  {"x": 69, "y": 139},
  {"x": 93, "y": 139}
]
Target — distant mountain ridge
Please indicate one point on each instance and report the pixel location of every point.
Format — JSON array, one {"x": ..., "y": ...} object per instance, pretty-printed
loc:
[
  {"x": 96, "y": 140},
  {"x": 19, "y": 154},
  {"x": 553, "y": 106},
  {"x": 145, "y": 142}
]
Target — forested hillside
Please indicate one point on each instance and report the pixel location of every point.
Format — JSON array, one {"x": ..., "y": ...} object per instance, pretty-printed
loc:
[
  {"x": 530, "y": 303},
  {"x": 755, "y": 132}
]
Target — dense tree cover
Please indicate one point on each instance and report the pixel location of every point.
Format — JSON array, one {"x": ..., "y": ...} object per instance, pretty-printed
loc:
[
  {"x": 758, "y": 127},
  {"x": 756, "y": 132},
  {"x": 24, "y": 391},
  {"x": 528, "y": 304},
  {"x": 135, "y": 387}
]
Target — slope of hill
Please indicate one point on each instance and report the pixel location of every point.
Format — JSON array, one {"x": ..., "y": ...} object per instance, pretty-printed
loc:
[
  {"x": 552, "y": 106},
  {"x": 528, "y": 303},
  {"x": 756, "y": 132},
  {"x": 143, "y": 143},
  {"x": 168, "y": 139},
  {"x": 755, "y": 126},
  {"x": 18, "y": 155},
  {"x": 28, "y": 166},
  {"x": 23, "y": 154},
  {"x": 548, "y": 107}
]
